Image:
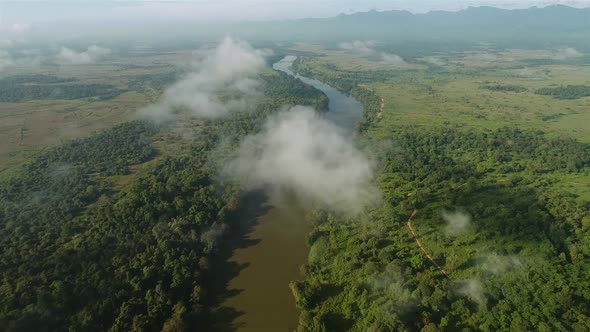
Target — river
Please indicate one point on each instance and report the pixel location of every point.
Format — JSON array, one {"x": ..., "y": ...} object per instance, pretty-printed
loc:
[{"x": 278, "y": 242}]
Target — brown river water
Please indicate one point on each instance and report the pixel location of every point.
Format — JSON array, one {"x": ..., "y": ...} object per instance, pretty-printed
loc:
[{"x": 260, "y": 291}]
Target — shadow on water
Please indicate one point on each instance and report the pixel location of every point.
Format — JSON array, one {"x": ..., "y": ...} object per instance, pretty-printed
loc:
[{"x": 222, "y": 270}]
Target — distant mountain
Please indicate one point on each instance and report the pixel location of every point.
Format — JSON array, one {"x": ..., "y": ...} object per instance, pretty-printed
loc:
[{"x": 533, "y": 27}]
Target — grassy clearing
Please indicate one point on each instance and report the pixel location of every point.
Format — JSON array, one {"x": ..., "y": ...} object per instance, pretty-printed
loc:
[{"x": 28, "y": 127}]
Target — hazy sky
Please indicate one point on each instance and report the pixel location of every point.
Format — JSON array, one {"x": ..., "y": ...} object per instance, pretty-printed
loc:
[{"x": 43, "y": 11}]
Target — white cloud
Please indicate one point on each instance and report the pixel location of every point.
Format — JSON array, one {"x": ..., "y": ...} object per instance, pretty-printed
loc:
[
  {"x": 566, "y": 53},
  {"x": 367, "y": 48},
  {"x": 300, "y": 152},
  {"x": 92, "y": 55},
  {"x": 457, "y": 222},
  {"x": 392, "y": 59},
  {"x": 5, "y": 60},
  {"x": 473, "y": 289},
  {"x": 497, "y": 264},
  {"x": 358, "y": 46},
  {"x": 20, "y": 28},
  {"x": 391, "y": 285},
  {"x": 10, "y": 55},
  {"x": 229, "y": 69}
]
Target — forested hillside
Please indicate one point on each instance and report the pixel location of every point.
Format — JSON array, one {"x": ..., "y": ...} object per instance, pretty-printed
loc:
[{"x": 81, "y": 251}]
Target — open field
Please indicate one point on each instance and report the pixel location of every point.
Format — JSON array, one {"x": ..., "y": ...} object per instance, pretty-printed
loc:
[
  {"x": 477, "y": 90},
  {"x": 28, "y": 126},
  {"x": 448, "y": 91}
]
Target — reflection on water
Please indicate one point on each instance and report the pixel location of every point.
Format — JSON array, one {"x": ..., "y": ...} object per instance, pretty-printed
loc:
[{"x": 261, "y": 289}]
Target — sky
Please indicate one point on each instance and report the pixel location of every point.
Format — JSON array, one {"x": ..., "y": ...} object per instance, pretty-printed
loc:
[{"x": 30, "y": 12}]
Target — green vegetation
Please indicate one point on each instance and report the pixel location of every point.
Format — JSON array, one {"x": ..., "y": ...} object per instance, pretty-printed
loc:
[
  {"x": 524, "y": 252},
  {"x": 519, "y": 264},
  {"x": 566, "y": 92},
  {"x": 147, "y": 82},
  {"x": 117, "y": 231},
  {"x": 288, "y": 90},
  {"x": 36, "y": 79},
  {"x": 79, "y": 252},
  {"x": 21, "y": 88},
  {"x": 503, "y": 88},
  {"x": 451, "y": 93},
  {"x": 344, "y": 80}
]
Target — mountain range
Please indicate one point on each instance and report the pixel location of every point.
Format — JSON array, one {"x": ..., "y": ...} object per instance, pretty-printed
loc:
[{"x": 555, "y": 25}]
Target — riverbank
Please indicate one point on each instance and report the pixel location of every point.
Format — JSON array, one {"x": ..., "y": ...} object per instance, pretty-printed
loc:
[{"x": 257, "y": 294}]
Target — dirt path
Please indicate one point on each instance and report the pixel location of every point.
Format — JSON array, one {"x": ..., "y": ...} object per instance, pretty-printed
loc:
[{"x": 421, "y": 246}]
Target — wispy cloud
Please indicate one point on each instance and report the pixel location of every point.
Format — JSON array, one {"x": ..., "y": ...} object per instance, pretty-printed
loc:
[
  {"x": 497, "y": 264},
  {"x": 368, "y": 48},
  {"x": 20, "y": 28},
  {"x": 229, "y": 69},
  {"x": 473, "y": 289},
  {"x": 358, "y": 46},
  {"x": 300, "y": 152},
  {"x": 390, "y": 283},
  {"x": 93, "y": 54},
  {"x": 392, "y": 59},
  {"x": 457, "y": 222},
  {"x": 566, "y": 53},
  {"x": 5, "y": 60}
]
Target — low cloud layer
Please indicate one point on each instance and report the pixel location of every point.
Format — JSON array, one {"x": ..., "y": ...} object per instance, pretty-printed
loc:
[
  {"x": 5, "y": 60},
  {"x": 456, "y": 222},
  {"x": 532, "y": 74},
  {"x": 392, "y": 59},
  {"x": 473, "y": 289},
  {"x": 437, "y": 61},
  {"x": 391, "y": 284},
  {"x": 13, "y": 55},
  {"x": 497, "y": 264},
  {"x": 300, "y": 152},
  {"x": 20, "y": 28},
  {"x": 228, "y": 69},
  {"x": 358, "y": 46},
  {"x": 567, "y": 53},
  {"x": 368, "y": 48},
  {"x": 93, "y": 54}
]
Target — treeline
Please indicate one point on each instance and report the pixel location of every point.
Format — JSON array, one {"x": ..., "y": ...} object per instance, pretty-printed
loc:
[
  {"x": 39, "y": 209},
  {"x": 566, "y": 92},
  {"x": 289, "y": 90},
  {"x": 503, "y": 88},
  {"x": 517, "y": 265},
  {"x": 371, "y": 107},
  {"x": 82, "y": 251},
  {"x": 108, "y": 153},
  {"x": 35, "y": 78},
  {"x": 129, "y": 261},
  {"x": 11, "y": 92}
]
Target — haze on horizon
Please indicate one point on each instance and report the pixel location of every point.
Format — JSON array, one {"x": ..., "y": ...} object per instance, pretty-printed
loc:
[{"x": 17, "y": 15}]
